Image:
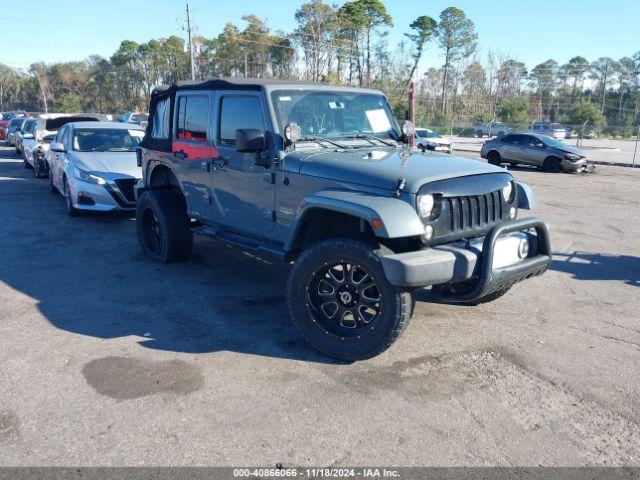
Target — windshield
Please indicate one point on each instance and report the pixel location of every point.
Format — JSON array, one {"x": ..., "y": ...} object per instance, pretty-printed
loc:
[
  {"x": 330, "y": 114},
  {"x": 106, "y": 139},
  {"x": 139, "y": 117},
  {"x": 16, "y": 122},
  {"x": 427, "y": 133},
  {"x": 552, "y": 142}
]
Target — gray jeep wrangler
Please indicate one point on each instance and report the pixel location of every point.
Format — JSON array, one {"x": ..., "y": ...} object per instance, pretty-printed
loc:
[{"x": 322, "y": 177}]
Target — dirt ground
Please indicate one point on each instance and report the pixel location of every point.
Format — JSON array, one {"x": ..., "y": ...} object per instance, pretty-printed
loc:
[{"x": 110, "y": 359}]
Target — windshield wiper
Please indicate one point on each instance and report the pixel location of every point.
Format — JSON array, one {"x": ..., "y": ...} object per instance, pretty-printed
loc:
[
  {"x": 371, "y": 137},
  {"x": 322, "y": 139}
]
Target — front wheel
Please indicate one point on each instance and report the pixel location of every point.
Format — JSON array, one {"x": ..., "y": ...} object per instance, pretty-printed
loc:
[
  {"x": 71, "y": 210},
  {"x": 551, "y": 165},
  {"x": 341, "y": 301},
  {"x": 163, "y": 227},
  {"x": 494, "y": 158}
]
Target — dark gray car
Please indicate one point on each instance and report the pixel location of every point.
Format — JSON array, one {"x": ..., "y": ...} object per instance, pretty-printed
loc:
[
  {"x": 540, "y": 151},
  {"x": 322, "y": 177}
]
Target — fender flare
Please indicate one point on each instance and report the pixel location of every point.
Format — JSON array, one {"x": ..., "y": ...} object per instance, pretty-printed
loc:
[
  {"x": 527, "y": 199},
  {"x": 399, "y": 219},
  {"x": 151, "y": 166}
]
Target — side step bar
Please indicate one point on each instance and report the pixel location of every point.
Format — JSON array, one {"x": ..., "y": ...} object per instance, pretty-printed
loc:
[{"x": 242, "y": 242}]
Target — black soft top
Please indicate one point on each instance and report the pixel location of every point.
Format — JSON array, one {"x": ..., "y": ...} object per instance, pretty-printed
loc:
[
  {"x": 169, "y": 92},
  {"x": 226, "y": 84},
  {"x": 56, "y": 123}
]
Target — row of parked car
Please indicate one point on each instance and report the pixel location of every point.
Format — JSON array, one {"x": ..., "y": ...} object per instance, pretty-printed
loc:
[
  {"x": 66, "y": 149},
  {"x": 322, "y": 177}
]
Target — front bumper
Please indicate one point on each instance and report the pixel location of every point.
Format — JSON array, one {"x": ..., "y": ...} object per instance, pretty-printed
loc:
[
  {"x": 99, "y": 198},
  {"x": 453, "y": 263},
  {"x": 576, "y": 166}
]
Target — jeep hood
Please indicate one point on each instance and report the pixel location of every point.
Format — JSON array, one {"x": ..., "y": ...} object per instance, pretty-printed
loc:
[{"x": 386, "y": 167}]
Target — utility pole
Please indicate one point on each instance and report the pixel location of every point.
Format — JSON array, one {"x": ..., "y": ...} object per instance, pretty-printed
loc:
[{"x": 193, "y": 69}]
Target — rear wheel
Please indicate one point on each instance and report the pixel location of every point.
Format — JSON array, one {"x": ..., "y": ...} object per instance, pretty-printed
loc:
[
  {"x": 163, "y": 227},
  {"x": 342, "y": 302},
  {"x": 494, "y": 158},
  {"x": 27, "y": 165},
  {"x": 551, "y": 165},
  {"x": 479, "y": 134}
]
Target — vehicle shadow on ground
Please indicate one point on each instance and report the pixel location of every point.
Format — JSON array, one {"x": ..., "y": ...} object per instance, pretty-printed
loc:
[
  {"x": 596, "y": 266},
  {"x": 90, "y": 278}
]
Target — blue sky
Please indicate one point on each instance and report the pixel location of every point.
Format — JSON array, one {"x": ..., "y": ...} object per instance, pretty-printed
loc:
[{"x": 529, "y": 31}]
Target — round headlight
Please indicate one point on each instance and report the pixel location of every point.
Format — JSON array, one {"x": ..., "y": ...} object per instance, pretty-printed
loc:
[
  {"x": 507, "y": 191},
  {"x": 425, "y": 205}
]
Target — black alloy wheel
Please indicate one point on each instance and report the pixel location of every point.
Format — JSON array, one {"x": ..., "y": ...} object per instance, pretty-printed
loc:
[
  {"x": 152, "y": 231},
  {"x": 344, "y": 298}
]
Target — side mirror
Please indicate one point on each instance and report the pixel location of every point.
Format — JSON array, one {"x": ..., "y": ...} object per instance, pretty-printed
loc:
[
  {"x": 28, "y": 136},
  {"x": 408, "y": 131},
  {"x": 250, "y": 140},
  {"x": 58, "y": 147}
]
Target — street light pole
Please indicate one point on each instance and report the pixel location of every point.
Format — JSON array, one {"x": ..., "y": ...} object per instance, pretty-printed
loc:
[{"x": 635, "y": 149}]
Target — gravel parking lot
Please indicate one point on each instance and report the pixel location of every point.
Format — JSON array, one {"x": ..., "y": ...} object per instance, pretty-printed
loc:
[{"x": 110, "y": 359}]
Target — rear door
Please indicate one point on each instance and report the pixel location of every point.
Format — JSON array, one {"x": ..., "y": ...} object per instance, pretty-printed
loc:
[
  {"x": 193, "y": 149},
  {"x": 507, "y": 150}
]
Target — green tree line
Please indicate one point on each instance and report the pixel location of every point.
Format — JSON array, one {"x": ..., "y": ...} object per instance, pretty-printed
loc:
[{"x": 348, "y": 45}]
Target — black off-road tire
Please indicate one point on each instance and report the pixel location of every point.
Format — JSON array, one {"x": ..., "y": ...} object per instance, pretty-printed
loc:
[
  {"x": 552, "y": 165},
  {"x": 396, "y": 306},
  {"x": 494, "y": 158},
  {"x": 442, "y": 292},
  {"x": 163, "y": 227}
]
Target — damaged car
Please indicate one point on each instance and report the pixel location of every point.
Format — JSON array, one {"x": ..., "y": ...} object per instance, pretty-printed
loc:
[{"x": 537, "y": 150}]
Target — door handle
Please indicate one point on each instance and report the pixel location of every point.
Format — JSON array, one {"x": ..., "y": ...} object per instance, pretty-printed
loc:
[{"x": 181, "y": 155}]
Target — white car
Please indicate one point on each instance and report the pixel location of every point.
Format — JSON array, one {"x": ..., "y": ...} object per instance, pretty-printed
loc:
[
  {"x": 94, "y": 166},
  {"x": 432, "y": 140},
  {"x": 36, "y": 136}
]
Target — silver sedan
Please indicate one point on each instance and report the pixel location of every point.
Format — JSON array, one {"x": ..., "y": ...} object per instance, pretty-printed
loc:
[
  {"x": 93, "y": 164},
  {"x": 541, "y": 151}
]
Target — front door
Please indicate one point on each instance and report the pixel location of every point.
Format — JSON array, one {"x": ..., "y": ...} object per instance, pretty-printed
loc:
[
  {"x": 193, "y": 150},
  {"x": 243, "y": 192}
]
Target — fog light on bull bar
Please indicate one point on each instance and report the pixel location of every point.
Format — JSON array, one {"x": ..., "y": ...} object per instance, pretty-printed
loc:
[
  {"x": 523, "y": 248},
  {"x": 513, "y": 212},
  {"x": 428, "y": 232}
]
